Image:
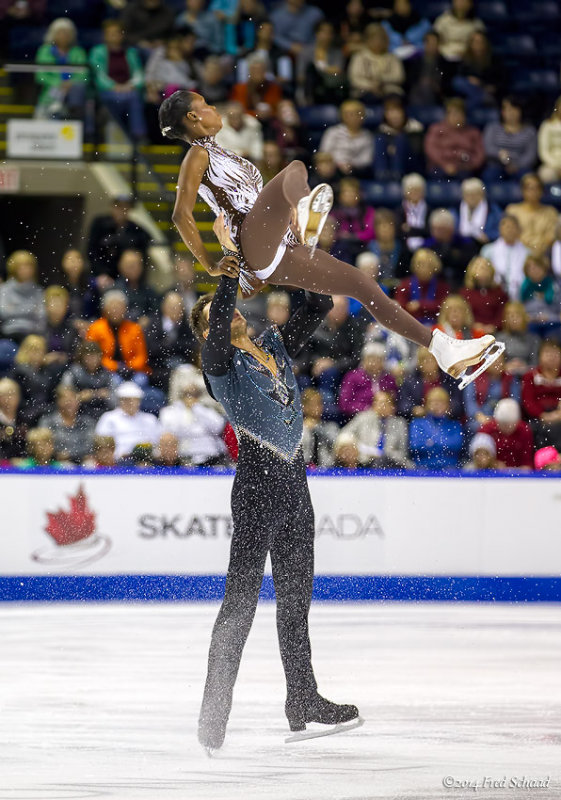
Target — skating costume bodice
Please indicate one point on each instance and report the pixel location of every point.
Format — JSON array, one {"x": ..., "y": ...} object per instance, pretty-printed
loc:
[
  {"x": 260, "y": 406},
  {"x": 231, "y": 185}
]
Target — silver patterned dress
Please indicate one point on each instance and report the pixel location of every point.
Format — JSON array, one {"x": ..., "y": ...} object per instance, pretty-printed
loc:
[{"x": 231, "y": 185}]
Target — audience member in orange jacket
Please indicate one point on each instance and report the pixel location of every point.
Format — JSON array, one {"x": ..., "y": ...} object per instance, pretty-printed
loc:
[{"x": 121, "y": 340}]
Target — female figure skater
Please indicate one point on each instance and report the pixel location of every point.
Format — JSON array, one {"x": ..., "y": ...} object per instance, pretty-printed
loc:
[{"x": 258, "y": 220}]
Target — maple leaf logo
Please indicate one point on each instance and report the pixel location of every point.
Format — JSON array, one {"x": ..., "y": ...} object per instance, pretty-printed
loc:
[{"x": 76, "y": 525}]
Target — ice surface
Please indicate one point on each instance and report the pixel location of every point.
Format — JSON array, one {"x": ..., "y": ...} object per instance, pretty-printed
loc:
[{"x": 102, "y": 701}]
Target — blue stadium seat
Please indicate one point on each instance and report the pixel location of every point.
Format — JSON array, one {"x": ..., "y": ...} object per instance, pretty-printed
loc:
[
  {"x": 90, "y": 37},
  {"x": 84, "y": 13},
  {"x": 374, "y": 116},
  {"x": 504, "y": 192},
  {"x": 550, "y": 47},
  {"x": 536, "y": 81},
  {"x": 426, "y": 114},
  {"x": 25, "y": 41},
  {"x": 519, "y": 45},
  {"x": 8, "y": 351},
  {"x": 536, "y": 10},
  {"x": 483, "y": 116},
  {"x": 319, "y": 117},
  {"x": 433, "y": 8},
  {"x": 552, "y": 195},
  {"x": 153, "y": 400},
  {"x": 381, "y": 194},
  {"x": 444, "y": 193},
  {"x": 493, "y": 11}
]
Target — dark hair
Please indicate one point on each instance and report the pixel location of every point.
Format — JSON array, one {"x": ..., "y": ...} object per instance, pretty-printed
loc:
[
  {"x": 183, "y": 30},
  {"x": 516, "y": 101},
  {"x": 323, "y": 22},
  {"x": 470, "y": 14},
  {"x": 547, "y": 343},
  {"x": 394, "y": 100},
  {"x": 530, "y": 176},
  {"x": 197, "y": 320},
  {"x": 384, "y": 215},
  {"x": 88, "y": 348},
  {"x": 172, "y": 113},
  {"x": 510, "y": 218}
]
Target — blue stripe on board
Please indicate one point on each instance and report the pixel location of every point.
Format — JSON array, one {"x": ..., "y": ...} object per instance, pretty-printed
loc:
[
  {"x": 326, "y": 587},
  {"x": 218, "y": 472}
]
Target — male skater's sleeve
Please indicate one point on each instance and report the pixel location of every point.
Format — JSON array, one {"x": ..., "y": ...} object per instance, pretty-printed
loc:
[
  {"x": 217, "y": 350},
  {"x": 304, "y": 321}
]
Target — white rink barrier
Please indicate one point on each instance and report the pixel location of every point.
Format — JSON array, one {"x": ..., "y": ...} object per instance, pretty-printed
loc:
[{"x": 106, "y": 536}]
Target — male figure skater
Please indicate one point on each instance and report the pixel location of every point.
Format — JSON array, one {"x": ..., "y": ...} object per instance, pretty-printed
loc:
[{"x": 271, "y": 506}]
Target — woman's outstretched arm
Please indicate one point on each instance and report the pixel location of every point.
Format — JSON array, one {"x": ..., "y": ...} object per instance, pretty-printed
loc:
[{"x": 190, "y": 176}]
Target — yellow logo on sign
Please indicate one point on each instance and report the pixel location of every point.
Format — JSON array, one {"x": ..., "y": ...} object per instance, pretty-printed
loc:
[{"x": 68, "y": 132}]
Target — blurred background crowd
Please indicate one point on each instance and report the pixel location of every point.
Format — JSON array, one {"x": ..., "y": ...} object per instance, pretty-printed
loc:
[{"x": 439, "y": 128}]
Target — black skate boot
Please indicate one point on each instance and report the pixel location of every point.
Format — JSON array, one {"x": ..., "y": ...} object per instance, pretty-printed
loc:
[
  {"x": 214, "y": 715},
  {"x": 317, "y": 709},
  {"x": 212, "y": 729}
]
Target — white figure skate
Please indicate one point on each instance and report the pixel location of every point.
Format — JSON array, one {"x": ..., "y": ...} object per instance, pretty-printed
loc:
[
  {"x": 455, "y": 356},
  {"x": 311, "y": 213}
]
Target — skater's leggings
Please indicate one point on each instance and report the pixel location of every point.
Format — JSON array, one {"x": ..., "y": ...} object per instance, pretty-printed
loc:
[
  {"x": 262, "y": 232},
  {"x": 271, "y": 512}
]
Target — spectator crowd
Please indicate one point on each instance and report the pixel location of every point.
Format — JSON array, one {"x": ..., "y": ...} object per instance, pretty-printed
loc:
[{"x": 446, "y": 165}]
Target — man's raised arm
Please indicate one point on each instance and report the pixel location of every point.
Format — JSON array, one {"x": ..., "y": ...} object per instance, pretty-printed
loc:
[
  {"x": 304, "y": 321},
  {"x": 217, "y": 350}
]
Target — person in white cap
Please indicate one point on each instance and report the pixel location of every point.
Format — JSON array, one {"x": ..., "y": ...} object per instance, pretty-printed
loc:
[
  {"x": 127, "y": 424},
  {"x": 512, "y": 436},
  {"x": 483, "y": 453},
  {"x": 197, "y": 427}
]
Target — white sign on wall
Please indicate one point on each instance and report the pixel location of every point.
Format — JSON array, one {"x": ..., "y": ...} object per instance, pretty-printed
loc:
[
  {"x": 44, "y": 138},
  {"x": 181, "y": 525}
]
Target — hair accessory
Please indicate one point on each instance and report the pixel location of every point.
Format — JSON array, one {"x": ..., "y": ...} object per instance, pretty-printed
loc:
[{"x": 165, "y": 130}]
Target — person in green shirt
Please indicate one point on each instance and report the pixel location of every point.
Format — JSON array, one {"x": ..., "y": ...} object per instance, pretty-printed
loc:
[
  {"x": 119, "y": 79},
  {"x": 63, "y": 94}
]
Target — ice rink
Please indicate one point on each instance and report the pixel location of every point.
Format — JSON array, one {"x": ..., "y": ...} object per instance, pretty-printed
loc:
[{"x": 101, "y": 701}]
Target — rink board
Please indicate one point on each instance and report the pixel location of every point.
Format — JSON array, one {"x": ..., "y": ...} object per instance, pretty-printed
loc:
[{"x": 91, "y": 536}]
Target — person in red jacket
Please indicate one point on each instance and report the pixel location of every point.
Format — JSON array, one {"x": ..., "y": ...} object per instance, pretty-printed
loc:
[
  {"x": 423, "y": 293},
  {"x": 541, "y": 395},
  {"x": 486, "y": 298},
  {"x": 259, "y": 96},
  {"x": 512, "y": 436},
  {"x": 454, "y": 149}
]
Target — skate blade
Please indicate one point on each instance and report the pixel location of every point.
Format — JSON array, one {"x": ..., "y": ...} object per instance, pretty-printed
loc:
[
  {"x": 342, "y": 727},
  {"x": 489, "y": 357}
]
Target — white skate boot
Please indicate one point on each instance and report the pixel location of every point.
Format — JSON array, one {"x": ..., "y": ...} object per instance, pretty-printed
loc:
[
  {"x": 455, "y": 356},
  {"x": 311, "y": 213}
]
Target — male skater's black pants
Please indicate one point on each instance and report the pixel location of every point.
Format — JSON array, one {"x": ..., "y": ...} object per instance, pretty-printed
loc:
[{"x": 272, "y": 512}]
